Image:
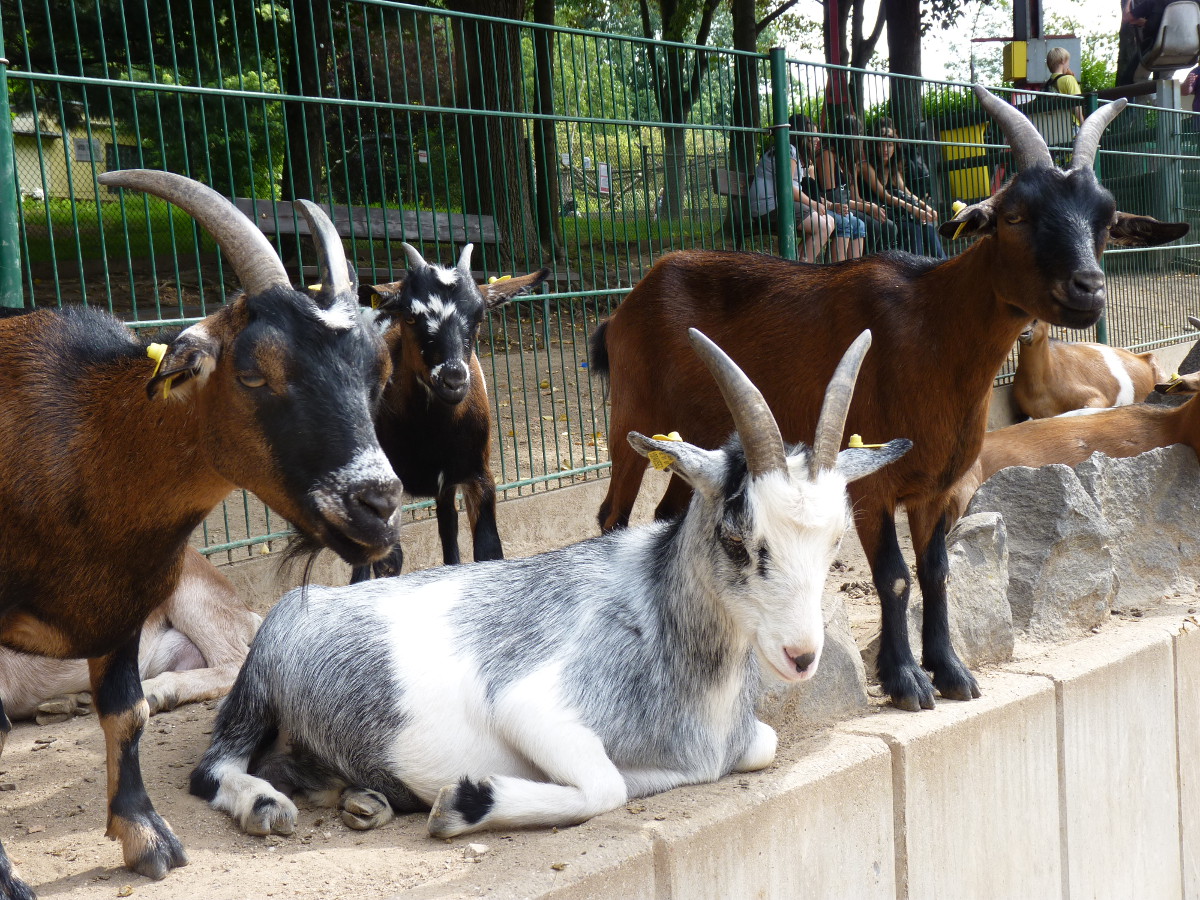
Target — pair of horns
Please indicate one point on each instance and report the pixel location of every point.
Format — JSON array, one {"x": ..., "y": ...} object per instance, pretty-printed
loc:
[
  {"x": 254, "y": 260},
  {"x": 1029, "y": 147},
  {"x": 756, "y": 425},
  {"x": 417, "y": 261}
]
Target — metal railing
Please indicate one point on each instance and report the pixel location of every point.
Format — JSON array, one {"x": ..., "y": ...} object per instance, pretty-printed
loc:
[{"x": 592, "y": 154}]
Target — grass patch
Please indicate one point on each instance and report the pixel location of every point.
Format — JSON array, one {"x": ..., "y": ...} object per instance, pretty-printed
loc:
[{"x": 57, "y": 230}]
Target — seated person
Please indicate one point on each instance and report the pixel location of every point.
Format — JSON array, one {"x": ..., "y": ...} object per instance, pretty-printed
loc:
[
  {"x": 813, "y": 221},
  {"x": 837, "y": 176},
  {"x": 879, "y": 178}
]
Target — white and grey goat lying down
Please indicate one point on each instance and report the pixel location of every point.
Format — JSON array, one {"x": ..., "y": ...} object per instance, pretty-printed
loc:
[
  {"x": 191, "y": 650},
  {"x": 547, "y": 690}
]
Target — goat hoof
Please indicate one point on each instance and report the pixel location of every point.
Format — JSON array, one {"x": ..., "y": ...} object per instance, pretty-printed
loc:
[
  {"x": 363, "y": 810},
  {"x": 459, "y": 808},
  {"x": 909, "y": 688},
  {"x": 955, "y": 682},
  {"x": 270, "y": 814},
  {"x": 150, "y": 847}
]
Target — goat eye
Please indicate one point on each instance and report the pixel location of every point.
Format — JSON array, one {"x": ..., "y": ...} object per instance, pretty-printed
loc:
[
  {"x": 410, "y": 320},
  {"x": 1014, "y": 219},
  {"x": 734, "y": 538},
  {"x": 252, "y": 381}
]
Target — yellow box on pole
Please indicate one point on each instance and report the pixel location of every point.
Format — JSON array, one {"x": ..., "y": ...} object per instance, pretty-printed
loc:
[{"x": 1016, "y": 59}]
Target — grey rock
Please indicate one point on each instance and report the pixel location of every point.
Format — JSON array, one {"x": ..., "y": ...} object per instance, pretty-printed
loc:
[
  {"x": 1060, "y": 561},
  {"x": 838, "y": 690},
  {"x": 1151, "y": 504}
]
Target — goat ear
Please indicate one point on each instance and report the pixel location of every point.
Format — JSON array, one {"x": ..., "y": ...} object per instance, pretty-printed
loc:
[
  {"x": 1184, "y": 384},
  {"x": 186, "y": 364},
  {"x": 376, "y": 295},
  {"x": 702, "y": 469},
  {"x": 972, "y": 221},
  {"x": 1128, "y": 230},
  {"x": 856, "y": 463},
  {"x": 497, "y": 293}
]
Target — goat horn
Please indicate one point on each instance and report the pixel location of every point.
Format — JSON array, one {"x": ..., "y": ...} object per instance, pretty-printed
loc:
[
  {"x": 751, "y": 416},
  {"x": 331, "y": 255},
  {"x": 1087, "y": 142},
  {"x": 1028, "y": 146},
  {"x": 464, "y": 261},
  {"x": 836, "y": 407},
  {"x": 254, "y": 260},
  {"x": 415, "y": 259}
]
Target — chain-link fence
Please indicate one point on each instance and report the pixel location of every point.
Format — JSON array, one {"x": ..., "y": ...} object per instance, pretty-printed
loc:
[{"x": 591, "y": 154}]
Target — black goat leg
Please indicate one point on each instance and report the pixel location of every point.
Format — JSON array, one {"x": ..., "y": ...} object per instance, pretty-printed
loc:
[
  {"x": 899, "y": 674},
  {"x": 479, "y": 496},
  {"x": 951, "y": 677},
  {"x": 148, "y": 844},
  {"x": 11, "y": 887},
  {"x": 447, "y": 518}
]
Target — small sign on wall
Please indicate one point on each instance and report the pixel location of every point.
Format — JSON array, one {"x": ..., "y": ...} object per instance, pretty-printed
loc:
[
  {"x": 603, "y": 182},
  {"x": 423, "y": 157}
]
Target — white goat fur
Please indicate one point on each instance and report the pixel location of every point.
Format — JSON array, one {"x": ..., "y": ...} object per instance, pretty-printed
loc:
[{"x": 547, "y": 690}]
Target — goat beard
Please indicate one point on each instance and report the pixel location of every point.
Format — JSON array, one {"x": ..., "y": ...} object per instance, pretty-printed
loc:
[{"x": 301, "y": 552}]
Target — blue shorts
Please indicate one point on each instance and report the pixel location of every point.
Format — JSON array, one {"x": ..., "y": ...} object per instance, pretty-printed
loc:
[{"x": 848, "y": 226}]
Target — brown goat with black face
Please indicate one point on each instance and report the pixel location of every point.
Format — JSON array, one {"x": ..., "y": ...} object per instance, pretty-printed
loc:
[
  {"x": 942, "y": 330},
  {"x": 434, "y": 424},
  {"x": 109, "y": 460}
]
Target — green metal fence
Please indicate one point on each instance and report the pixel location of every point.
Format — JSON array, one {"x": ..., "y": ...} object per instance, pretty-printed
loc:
[{"x": 591, "y": 154}]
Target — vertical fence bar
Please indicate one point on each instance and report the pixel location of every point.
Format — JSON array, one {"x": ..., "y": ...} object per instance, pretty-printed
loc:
[
  {"x": 10, "y": 234},
  {"x": 784, "y": 202}
]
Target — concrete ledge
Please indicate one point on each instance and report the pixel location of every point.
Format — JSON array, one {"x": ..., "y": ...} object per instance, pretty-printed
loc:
[{"x": 1072, "y": 777}]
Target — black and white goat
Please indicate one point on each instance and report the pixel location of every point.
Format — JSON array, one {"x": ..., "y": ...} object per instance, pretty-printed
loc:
[
  {"x": 434, "y": 423},
  {"x": 547, "y": 690}
]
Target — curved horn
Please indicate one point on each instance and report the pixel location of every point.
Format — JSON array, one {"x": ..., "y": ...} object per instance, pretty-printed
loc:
[
  {"x": 415, "y": 259},
  {"x": 835, "y": 408},
  {"x": 254, "y": 260},
  {"x": 464, "y": 261},
  {"x": 751, "y": 416},
  {"x": 1087, "y": 142},
  {"x": 1029, "y": 148},
  {"x": 331, "y": 255}
]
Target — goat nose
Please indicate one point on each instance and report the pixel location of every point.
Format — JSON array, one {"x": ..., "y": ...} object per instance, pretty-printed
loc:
[
  {"x": 1087, "y": 284},
  {"x": 381, "y": 500},
  {"x": 804, "y": 660},
  {"x": 454, "y": 377}
]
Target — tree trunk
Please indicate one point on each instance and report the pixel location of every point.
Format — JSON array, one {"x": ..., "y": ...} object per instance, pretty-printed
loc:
[
  {"x": 545, "y": 137},
  {"x": 743, "y": 145},
  {"x": 904, "y": 46},
  {"x": 492, "y": 149}
]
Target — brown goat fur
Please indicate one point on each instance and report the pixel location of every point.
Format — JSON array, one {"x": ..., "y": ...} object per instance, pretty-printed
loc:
[
  {"x": 941, "y": 331},
  {"x": 1069, "y": 440},
  {"x": 1055, "y": 376}
]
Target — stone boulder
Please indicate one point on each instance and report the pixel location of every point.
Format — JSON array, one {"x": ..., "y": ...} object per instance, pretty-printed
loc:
[{"x": 1061, "y": 574}]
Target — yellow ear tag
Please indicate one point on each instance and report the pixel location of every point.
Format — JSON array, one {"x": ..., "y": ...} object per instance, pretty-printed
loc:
[
  {"x": 957, "y": 206},
  {"x": 156, "y": 352},
  {"x": 660, "y": 459},
  {"x": 374, "y": 301},
  {"x": 494, "y": 279},
  {"x": 958, "y": 231},
  {"x": 856, "y": 443},
  {"x": 315, "y": 288}
]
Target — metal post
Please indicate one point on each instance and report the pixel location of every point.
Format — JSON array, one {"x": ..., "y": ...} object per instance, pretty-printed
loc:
[
  {"x": 1091, "y": 103},
  {"x": 10, "y": 236},
  {"x": 785, "y": 208}
]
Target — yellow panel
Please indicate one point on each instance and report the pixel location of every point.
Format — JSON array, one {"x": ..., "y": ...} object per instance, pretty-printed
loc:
[{"x": 1016, "y": 59}]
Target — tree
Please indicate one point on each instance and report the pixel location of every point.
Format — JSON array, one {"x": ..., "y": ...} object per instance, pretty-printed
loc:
[{"x": 495, "y": 155}]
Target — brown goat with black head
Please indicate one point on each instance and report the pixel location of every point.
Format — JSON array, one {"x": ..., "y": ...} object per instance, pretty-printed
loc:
[
  {"x": 434, "y": 424},
  {"x": 109, "y": 460},
  {"x": 942, "y": 330}
]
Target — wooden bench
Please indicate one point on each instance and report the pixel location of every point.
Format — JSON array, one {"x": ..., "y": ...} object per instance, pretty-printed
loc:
[
  {"x": 729, "y": 183},
  {"x": 370, "y": 223}
]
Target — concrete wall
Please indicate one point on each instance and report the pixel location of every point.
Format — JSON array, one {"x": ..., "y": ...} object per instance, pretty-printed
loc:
[{"x": 1074, "y": 776}]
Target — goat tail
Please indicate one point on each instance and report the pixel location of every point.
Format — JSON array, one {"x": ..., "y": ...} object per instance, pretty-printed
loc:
[{"x": 598, "y": 351}]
